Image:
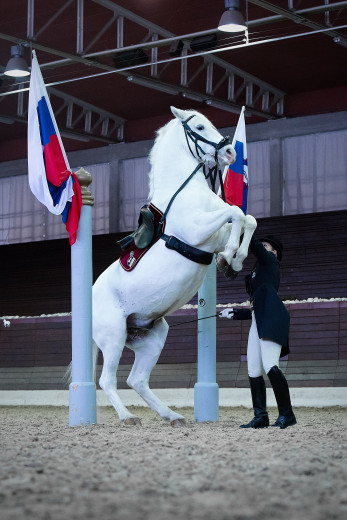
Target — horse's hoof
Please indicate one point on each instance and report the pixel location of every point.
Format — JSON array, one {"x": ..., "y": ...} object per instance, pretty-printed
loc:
[
  {"x": 231, "y": 273},
  {"x": 222, "y": 264},
  {"x": 132, "y": 421},
  {"x": 176, "y": 423}
]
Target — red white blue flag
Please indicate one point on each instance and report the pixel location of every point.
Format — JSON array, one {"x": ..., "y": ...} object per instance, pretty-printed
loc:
[
  {"x": 50, "y": 177},
  {"x": 236, "y": 179}
]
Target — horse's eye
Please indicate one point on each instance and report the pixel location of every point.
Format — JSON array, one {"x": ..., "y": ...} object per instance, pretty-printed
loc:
[{"x": 200, "y": 128}]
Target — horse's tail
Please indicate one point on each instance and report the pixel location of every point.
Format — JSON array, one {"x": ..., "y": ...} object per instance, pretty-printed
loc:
[
  {"x": 67, "y": 376},
  {"x": 95, "y": 358}
]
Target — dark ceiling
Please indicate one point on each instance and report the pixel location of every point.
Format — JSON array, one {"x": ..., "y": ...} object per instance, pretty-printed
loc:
[{"x": 283, "y": 71}]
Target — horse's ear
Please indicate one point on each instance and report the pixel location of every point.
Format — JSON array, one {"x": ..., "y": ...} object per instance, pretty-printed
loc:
[{"x": 180, "y": 114}]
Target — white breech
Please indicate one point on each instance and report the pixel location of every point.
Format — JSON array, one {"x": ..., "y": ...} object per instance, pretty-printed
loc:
[{"x": 261, "y": 353}]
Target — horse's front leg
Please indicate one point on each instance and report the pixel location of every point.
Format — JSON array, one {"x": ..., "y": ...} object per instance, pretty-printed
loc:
[
  {"x": 204, "y": 224},
  {"x": 228, "y": 256},
  {"x": 250, "y": 225}
]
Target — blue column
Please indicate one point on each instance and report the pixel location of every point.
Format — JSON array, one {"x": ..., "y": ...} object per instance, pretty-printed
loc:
[
  {"x": 82, "y": 390},
  {"x": 206, "y": 389}
]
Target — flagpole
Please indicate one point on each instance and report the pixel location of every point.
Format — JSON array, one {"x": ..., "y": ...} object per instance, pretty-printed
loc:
[
  {"x": 233, "y": 145},
  {"x": 237, "y": 126},
  {"x": 55, "y": 186},
  {"x": 82, "y": 390},
  {"x": 206, "y": 390}
]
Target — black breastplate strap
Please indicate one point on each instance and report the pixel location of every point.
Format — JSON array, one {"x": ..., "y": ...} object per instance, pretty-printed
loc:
[{"x": 190, "y": 252}]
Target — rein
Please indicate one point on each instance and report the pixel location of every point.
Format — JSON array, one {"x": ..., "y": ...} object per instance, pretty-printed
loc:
[
  {"x": 212, "y": 173},
  {"x": 178, "y": 191}
]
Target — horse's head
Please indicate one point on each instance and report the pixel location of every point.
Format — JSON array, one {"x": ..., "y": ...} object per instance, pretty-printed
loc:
[{"x": 203, "y": 139}]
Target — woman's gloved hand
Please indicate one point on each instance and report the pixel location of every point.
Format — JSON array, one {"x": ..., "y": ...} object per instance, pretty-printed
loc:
[{"x": 227, "y": 313}]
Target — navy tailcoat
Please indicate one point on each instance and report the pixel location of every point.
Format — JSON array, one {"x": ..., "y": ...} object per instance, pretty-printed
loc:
[{"x": 262, "y": 284}]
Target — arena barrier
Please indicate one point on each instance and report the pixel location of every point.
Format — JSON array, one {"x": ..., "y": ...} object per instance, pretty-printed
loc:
[{"x": 35, "y": 351}]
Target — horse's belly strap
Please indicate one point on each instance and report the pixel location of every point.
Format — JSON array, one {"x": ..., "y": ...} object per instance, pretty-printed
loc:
[{"x": 190, "y": 252}]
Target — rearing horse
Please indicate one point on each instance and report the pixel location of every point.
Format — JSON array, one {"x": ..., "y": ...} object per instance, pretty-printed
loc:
[{"x": 129, "y": 308}]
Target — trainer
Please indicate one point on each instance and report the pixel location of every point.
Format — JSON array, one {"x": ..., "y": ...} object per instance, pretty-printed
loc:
[{"x": 268, "y": 335}]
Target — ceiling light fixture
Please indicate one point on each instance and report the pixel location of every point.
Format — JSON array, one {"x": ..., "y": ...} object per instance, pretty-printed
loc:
[
  {"x": 75, "y": 136},
  {"x": 176, "y": 48},
  {"x": 154, "y": 84},
  {"x": 232, "y": 20},
  {"x": 130, "y": 58},
  {"x": 203, "y": 43},
  {"x": 7, "y": 120},
  {"x": 193, "y": 97},
  {"x": 17, "y": 66},
  {"x": 222, "y": 105}
]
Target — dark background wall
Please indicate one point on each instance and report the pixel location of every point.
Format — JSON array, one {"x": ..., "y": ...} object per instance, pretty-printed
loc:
[
  {"x": 35, "y": 277},
  {"x": 35, "y": 280}
]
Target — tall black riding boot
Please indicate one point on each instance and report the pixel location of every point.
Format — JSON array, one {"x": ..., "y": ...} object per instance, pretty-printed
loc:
[
  {"x": 279, "y": 384},
  {"x": 258, "y": 391}
]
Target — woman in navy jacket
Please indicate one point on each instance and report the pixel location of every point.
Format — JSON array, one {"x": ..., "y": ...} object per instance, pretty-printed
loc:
[{"x": 268, "y": 335}]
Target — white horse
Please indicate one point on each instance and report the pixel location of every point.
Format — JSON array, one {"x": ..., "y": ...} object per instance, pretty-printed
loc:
[{"x": 129, "y": 308}]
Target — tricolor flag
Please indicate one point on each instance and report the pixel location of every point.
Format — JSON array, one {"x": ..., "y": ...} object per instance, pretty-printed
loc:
[
  {"x": 236, "y": 179},
  {"x": 50, "y": 177}
]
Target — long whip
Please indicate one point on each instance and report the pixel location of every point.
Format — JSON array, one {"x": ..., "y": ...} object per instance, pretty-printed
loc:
[{"x": 196, "y": 319}]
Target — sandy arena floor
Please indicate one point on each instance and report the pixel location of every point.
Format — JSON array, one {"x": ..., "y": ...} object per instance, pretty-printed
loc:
[{"x": 206, "y": 471}]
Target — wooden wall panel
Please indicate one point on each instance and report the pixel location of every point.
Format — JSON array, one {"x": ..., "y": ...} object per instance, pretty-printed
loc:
[
  {"x": 35, "y": 280},
  {"x": 34, "y": 352},
  {"x": 35, "y": 277}
]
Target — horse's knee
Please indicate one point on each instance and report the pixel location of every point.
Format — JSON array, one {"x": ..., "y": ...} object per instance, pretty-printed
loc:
[
  {"x": 250, "y": 222},
  {"x": 237, "y": 215},
  {"x": 136, "y": 384}
]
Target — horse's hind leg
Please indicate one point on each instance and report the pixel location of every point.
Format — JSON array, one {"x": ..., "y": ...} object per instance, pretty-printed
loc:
[
  {"x": 111, "y": 340},
  {"x": 147, "y": 348}
]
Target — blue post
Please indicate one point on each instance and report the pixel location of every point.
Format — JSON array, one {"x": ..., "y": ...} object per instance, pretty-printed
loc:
[
  {"x": 206, "y": 388},
  {"x": 82, "y": 390}
]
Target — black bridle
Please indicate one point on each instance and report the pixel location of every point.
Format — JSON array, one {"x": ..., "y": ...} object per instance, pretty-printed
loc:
[
  {"x": 195, "y": 137},
  {"x": 211, "y": 173}
]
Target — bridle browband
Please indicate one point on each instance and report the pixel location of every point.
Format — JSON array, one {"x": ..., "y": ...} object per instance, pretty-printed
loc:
[{"x": 212, "y": 172}]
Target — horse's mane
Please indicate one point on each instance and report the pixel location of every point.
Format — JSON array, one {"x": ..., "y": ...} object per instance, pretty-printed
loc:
[
  {"x": 159, "y": 134},
  {"x": 152, "y": 155}
]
